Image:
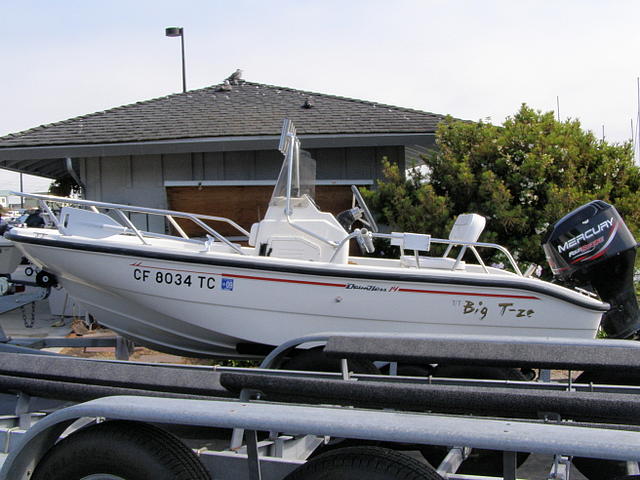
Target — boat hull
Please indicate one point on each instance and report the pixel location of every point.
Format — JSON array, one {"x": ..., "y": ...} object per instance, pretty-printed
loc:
[
  {"x": 206, "y": 306},
  {"x": 9, "y": 256}
]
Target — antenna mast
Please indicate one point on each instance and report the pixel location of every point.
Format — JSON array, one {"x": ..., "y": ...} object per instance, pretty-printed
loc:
[{"x": 636, "y": 143}]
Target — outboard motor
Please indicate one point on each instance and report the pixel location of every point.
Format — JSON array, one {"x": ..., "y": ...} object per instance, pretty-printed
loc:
[{"x": 593, "y": 246}]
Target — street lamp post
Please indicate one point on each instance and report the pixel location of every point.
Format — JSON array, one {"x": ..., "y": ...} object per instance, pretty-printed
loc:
[
  {"x": 179, "y": 32},
  {"x": 22, "y": 190}
]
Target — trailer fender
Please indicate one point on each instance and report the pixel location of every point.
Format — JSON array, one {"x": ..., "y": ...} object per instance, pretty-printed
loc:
[
  {"x": 383, "y": 425},
  {"x": 22, "y": 460},
  {"x": 21, "y": 463}
]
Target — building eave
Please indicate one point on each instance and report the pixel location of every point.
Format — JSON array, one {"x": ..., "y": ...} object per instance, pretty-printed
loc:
[
  {"x": 211, "y": 144},
  {"x": 48, "y": 161}
]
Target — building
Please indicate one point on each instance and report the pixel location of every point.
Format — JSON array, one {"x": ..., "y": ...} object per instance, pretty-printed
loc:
[
  {"x": 214, "y": 150},
  {"x": 4, "y": 198},
  {"x": 9, "y": 201}
]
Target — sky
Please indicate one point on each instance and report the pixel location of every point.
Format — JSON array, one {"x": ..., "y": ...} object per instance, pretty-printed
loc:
[{"x": 470, "y": 59}]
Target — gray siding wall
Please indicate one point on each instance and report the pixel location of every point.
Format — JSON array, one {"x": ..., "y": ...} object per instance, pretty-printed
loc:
[{"x": 139, "y": 179}]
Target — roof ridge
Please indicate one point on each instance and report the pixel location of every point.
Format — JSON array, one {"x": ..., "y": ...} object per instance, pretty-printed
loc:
[{"x": 339, "y": 97}]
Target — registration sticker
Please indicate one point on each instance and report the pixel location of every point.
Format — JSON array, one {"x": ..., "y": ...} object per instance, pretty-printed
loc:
[{"x": 227, "y": 284}]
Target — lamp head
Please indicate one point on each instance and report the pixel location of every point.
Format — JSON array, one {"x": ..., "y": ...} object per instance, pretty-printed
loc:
[{"x": 173, "y": 31}]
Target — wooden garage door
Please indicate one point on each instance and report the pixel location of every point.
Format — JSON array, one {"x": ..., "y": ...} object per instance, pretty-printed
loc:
[{"x": 243, "y": 204}]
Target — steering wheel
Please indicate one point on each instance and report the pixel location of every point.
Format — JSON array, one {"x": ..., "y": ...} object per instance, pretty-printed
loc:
[{"x": 368, "y": 219}]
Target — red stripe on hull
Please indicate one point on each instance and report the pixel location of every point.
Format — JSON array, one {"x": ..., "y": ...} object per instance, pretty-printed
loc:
[
  {"x": 341, "y": 285},
  {"x": 284, "y": 280}
]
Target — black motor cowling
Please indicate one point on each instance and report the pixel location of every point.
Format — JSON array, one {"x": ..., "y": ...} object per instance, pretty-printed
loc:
[{"x": 593, "y": 246}]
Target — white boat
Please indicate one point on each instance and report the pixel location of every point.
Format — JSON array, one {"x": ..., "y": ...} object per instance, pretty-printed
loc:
[
  {"x": 10, "y": 256},
  {"x": 295, "y": 277}
]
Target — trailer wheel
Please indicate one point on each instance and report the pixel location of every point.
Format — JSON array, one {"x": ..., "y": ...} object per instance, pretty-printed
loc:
[
  {"x": 45, "y": 279},
  {"x": 357, "y": 463},
  {"x": 315, "y": 360},
  {"x": 120, "y": 450}
]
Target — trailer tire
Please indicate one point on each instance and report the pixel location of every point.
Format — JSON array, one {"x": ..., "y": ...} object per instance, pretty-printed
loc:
[
  {"x": 357, "y": 463},
  {"x": 315, "y": 360},
  {"x": 123, "y": 449},
  {"x": 45, "y": 279}
]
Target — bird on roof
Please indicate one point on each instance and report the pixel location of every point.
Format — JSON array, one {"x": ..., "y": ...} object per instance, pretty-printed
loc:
[
  {"x": 225, "y": 87},
  {"x": 235, "y": 78}
]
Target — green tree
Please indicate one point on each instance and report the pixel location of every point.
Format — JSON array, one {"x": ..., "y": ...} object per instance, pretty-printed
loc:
[
  {"x": 522, "y": 176},
  {"x": 64, "y": 187}
]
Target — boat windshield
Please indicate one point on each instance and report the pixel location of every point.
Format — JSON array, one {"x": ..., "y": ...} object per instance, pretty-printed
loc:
[{"x": 299, "y": 180}]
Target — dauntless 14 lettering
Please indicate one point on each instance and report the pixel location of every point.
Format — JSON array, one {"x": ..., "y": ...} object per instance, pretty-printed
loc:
[
  {"x": 586, "y": 235},
  {"x": 370, "y": 288}
]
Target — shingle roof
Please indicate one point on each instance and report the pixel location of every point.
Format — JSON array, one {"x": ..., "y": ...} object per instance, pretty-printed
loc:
[{"x": 248, "y": 109}]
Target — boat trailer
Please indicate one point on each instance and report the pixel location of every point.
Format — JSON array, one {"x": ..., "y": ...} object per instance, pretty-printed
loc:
[{"x": 266, "y": 423}]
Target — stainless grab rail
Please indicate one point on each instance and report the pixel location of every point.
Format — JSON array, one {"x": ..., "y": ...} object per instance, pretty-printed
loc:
[
  {"x": 198, "y": 219},
  {"x": 170, "y": 215}
]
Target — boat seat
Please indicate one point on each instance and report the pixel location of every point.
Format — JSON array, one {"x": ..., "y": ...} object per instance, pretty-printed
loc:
[
  {"x": 467, "y": 227},
  {"x": 293, "y": 247},
  {"x": 420, "y": 242},
  {"x": 301, "y": 236}
]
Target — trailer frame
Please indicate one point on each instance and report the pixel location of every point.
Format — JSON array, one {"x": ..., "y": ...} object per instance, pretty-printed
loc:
[{"x": 295, "y": 430}]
